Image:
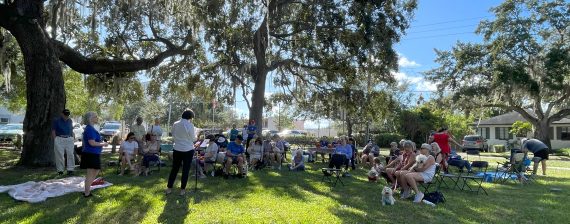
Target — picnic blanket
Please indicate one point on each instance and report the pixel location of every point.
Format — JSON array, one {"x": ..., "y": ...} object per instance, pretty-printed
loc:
[
  {"x": 34, "y": 192},
  {"x": 490, "y": 176}
]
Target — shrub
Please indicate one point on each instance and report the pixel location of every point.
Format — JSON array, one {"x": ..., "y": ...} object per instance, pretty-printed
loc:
[
  {"x": 562, "y": 152},
  {"x": 384, "y": 139},
  {"x": 301, "y": 140}
]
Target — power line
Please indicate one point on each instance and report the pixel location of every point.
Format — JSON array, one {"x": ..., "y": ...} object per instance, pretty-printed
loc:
[
  {"x": 442, "y": 35},
  {"x": 453, "y": 21},
  {"x": 439, "y": 29}
]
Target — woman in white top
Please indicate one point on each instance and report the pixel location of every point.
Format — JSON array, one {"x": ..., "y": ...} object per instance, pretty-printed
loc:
[
  {"x": 127, "y": 152},
  {"x": 255, "y": 151},
  {"x": 425, "y": 174},
  {"x": 183, "y": 135}
]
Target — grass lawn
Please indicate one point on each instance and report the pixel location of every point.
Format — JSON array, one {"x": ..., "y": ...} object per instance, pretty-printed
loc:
[{"x": 281, "y": 197}]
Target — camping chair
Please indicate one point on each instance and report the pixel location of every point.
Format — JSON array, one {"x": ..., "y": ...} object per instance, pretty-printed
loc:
[
  {"x": 212, "y": 163},
  {"x": 477, "y": 177},
  {"x": 454, "y": 174},
  {"x": 514, "y": 167},
  {"x": 330, "y": 173},
  {"x": 473, "y": 152},
  {"x": 435, "y": 180}
]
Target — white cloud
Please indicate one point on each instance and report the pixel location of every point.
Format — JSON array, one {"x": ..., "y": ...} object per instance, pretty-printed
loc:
[
  {"x": 419, "y": 83},
  {"x": 404, "y": 62}
]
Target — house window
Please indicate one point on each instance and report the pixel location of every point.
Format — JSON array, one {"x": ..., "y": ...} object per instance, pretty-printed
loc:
[
  {"x": 3, "y": 120},
  {"x": 503, "y": 133},
  {"x": 484, "y": 132},
  {"x": 565, "y": 133}
]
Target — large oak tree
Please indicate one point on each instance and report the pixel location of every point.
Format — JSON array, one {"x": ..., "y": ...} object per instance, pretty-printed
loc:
[
  {"x": 108, "y": 39},
  {"x": 523, "y": 64}
]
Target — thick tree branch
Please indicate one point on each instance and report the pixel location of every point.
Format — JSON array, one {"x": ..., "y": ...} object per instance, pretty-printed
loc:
[
  {"x": 565, "y": 96},
  {"x": 557, "y": 116},
  {"x": 82, "y": 64}
]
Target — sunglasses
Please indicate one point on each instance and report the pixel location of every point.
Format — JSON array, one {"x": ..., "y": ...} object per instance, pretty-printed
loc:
[{"x": 132, "y": 138}]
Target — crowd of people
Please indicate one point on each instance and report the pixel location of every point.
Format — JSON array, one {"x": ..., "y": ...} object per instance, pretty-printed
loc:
[{"x": 405, "y": 166}]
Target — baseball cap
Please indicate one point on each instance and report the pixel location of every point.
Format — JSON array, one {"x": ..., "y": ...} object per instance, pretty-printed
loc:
[{"x": 66, "y": 112}]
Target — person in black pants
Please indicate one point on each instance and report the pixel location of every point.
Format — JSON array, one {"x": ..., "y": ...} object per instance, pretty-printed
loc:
[
  {"x": 184, "y": 136},
  {"x": 341, "y": 155}
]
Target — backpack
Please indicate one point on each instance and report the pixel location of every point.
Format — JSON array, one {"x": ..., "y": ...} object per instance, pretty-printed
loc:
[{"x": 435, "y": 197}]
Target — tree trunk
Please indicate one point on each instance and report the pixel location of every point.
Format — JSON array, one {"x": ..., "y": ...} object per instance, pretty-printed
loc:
[
  {"x": 542, "y": 132},
  {"x": 45, "y": 93},
  {"x": 258, "y": 100}
]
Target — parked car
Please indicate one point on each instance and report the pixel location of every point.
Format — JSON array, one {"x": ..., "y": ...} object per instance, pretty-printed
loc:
[
  {"x": 266, "y": 132},
  {"x": 78, "y": 131},
  {"x": 475, "y": 142},
  {"x": 110, "y": 129},
  {"x": 291, "y": 133},
  {"x": 10, "y": 132}
]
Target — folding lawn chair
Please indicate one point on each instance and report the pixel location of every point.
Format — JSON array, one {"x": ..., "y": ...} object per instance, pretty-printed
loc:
[
  {"x": 330, "y": 173},
  {"x": 435, "y": 180},
  {"x": 454, "y": 174},
  {"x": 514, "y": 167},
  {"x": 477, "y": 177}
]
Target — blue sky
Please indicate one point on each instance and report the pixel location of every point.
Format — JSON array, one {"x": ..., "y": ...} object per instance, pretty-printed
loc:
[{"x": 438, "y": 24}]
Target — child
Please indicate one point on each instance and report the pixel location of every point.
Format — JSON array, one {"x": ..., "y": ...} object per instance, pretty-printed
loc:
[{"x": 297, "y": 163}]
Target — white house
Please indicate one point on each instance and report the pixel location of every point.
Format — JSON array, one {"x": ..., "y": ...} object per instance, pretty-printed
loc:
[
  {"x": 496, "y": 130},
  {"x": 8, "y": 117}
]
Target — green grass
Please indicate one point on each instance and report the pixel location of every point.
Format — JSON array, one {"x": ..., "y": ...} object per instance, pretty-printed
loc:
[{"x": 280, "y": 197}]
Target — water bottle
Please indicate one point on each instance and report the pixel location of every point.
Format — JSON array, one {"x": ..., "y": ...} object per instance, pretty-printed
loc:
[{"x": 428, "y": 203}]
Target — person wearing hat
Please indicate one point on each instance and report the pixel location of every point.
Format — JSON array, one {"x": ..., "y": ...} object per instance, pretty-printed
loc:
[
  {"x": 539, "y": 150},
  {"x": 62, "y": 134}
]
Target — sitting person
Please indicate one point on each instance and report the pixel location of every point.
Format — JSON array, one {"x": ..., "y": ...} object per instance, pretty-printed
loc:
[
  {"x": 275, "y": 156},
  {"x": 235, "y": 155},
  {"x": 150, "y": 152},
  {"x": 212, "y": 153},
  {"x": 404, "y": 162},
  {"x": 354, "y": 152},
  {"x": 297, "y": 163},
  {"x": 369, "y": 153},
  {"x": 424, "y": 173},
  {"x": 454, "y": 160},
  {"x": 342, "y": 155},
  {"x": 255, "y": 151},
  {"x": 400, "y": 174},
  {"x": 127, "y": 152},
  {"x": 394, "y": 152},
  {"x": 267, "y": 150}
]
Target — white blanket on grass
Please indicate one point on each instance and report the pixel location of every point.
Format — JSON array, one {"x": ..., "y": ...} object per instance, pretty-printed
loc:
[{"x": 34, "y": 192}]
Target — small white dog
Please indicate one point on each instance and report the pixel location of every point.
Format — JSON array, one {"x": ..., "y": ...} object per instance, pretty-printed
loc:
[
  {"x": 420, "y": 161},
  {"x": 387, "y": 196}
]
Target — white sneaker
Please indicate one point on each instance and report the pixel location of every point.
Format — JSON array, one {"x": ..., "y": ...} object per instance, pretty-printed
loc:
[{"x": 419, "y": 197}]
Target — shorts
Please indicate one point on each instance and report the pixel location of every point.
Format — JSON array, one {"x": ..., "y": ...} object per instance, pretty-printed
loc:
[
  {"x": 540, "y": 155},
  {"x": 234, "y": 159},
  {"x": 90, "y": 161}
]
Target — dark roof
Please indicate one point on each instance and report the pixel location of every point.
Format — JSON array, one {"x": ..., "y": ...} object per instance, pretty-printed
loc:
[{"x": 510, "y": 118}]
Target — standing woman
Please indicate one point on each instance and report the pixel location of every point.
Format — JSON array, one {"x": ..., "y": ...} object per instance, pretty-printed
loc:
[
  {"x": 92, "y": 147},
  {"x": 183, "y": 136}
]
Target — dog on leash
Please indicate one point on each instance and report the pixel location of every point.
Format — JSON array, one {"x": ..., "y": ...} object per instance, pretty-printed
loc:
[
  {"x": 420, "y": 161},
  {"x": 387, "y": 196}
]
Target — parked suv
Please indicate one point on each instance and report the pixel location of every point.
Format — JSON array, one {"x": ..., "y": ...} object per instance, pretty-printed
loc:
[{"x": 475, "y": 142}]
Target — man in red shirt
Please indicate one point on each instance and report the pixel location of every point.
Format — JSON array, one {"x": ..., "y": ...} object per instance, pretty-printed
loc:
[{"x": 442, "y": 138}]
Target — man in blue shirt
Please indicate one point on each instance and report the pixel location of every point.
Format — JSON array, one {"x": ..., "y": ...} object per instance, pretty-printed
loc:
[
  {"x": 234, "y": 155},
  {"x": 251, "y": 128},
  {"x": 539, "y": 150},
  {"x": 62, "y": 134},
  {"x": 233, "y": 133}
]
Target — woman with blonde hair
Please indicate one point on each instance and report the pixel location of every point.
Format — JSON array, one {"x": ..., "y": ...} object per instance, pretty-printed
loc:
[{"x": 92, "y": 146}]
